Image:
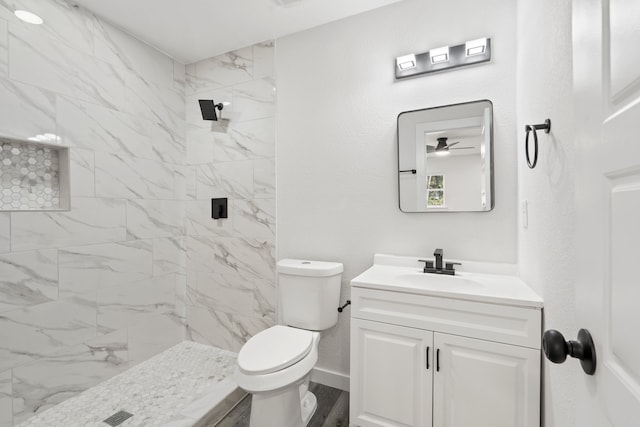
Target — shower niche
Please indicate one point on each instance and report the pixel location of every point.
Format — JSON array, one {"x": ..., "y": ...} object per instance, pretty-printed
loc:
[{"x": 34, "y": 176}]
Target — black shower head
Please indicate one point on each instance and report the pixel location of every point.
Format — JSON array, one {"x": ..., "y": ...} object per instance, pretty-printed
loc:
[{"x": 208, "y": 109}]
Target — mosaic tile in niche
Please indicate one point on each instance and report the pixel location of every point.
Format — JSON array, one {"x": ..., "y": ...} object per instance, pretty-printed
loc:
[{"x": 29, "y": 176}]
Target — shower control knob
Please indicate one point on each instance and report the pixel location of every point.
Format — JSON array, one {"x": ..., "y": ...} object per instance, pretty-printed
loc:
[{"x": 556, "y": 348}]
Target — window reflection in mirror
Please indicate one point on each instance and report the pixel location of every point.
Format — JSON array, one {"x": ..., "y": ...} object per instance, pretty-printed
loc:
[
  {"x": 435, "y": 191},
  {"x": 454, "y": 141}
]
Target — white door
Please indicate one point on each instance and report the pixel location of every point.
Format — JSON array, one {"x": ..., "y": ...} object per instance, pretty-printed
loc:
[
  {"x": 606, "y": 61},
  {"x": 391, "y": 375},
  {"x": 485, "y": 384}
]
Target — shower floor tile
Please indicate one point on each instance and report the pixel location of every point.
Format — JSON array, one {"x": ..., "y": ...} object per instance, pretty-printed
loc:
[{"x": 184, "y": 386}]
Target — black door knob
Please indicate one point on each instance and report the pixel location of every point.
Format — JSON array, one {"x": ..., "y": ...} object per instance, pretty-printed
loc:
[{"x": 556, "y": 348}]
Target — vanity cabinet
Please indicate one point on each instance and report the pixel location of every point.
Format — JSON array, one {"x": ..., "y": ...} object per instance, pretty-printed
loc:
[
  {"x": 389, "y": 375},
  {"x": 422, "y": 361},
  {"x": 483, "y": 383}
]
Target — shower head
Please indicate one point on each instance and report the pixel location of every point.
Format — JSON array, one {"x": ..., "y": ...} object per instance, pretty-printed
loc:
[{"x": 208, "y": 109}]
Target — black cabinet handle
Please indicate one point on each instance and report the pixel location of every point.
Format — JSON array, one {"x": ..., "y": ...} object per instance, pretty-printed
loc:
[
  {"x": 557, "y": 349},
  {"x": 427, "y": 358},
  {"x": 438, "y": 360}
]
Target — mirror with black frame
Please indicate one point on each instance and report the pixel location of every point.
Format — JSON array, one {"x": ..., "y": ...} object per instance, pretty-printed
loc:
[{"x": 445, "y": 158}]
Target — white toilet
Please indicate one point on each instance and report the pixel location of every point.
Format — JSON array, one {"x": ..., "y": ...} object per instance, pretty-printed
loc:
[{"x": 274, "y": 365}]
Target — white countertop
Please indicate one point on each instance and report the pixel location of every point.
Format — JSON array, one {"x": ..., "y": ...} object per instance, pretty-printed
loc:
[{"x": 474, "y": 281}]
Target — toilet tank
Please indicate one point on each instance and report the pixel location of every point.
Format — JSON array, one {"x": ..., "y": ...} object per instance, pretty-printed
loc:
[{"x": 309, "y": 293}]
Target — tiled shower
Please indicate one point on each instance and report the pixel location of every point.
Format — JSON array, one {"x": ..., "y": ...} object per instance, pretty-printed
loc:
[
  {"x": 136, "y": 264},
  {"x": 231, "y": 263},
  {"x": 31, "y": 174}
]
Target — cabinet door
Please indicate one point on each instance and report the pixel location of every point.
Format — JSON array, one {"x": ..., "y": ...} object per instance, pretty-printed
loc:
[
  {"x": 485, "y": 384},
  {"x": 391, "y": 375}
]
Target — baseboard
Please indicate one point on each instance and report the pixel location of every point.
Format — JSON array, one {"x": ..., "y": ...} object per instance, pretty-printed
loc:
[{"x": 330, "y": 378}]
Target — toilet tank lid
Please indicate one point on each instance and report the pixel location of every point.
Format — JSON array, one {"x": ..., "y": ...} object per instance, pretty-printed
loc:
[{"x": 301, "y": 267}]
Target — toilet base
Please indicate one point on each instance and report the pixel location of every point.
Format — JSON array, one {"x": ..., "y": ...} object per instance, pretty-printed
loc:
[
  {"x": 308, "y": 407},
  {"x": 283, "y": 408}
]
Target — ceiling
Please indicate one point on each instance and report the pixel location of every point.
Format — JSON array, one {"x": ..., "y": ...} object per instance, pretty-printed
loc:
[{"x": 191, "y": 30}]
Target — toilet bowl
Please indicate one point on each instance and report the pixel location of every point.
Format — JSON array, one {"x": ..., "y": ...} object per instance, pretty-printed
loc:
[{"x": 275, "y": 364}]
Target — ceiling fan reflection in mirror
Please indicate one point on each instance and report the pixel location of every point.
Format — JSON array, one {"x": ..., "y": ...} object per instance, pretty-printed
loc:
[{"x": 443, "y": 148}]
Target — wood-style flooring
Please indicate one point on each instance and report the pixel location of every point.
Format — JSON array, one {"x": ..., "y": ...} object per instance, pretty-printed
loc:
[{"x": 333, "y": 409}]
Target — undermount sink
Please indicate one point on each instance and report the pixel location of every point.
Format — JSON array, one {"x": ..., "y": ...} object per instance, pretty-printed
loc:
[{"x": 473, "y": 281}]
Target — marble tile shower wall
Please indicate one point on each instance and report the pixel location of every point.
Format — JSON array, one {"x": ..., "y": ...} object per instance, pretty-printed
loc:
[
  {"x": 88, "y": 293},
  {"x": 231, "y": 262}
]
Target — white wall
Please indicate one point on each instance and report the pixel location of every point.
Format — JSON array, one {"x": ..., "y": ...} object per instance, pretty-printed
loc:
[
  {"x": 336, "y": 147},
  {"x": 545, "y": 247}
]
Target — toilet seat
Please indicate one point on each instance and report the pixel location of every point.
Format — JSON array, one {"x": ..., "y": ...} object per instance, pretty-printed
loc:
[{"x": 274, "y": 349}]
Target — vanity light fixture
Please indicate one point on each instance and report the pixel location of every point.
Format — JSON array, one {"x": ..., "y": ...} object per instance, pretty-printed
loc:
[
  {"x": 28, "y": 17},
  {"x": 439, "y": 55},
  {"x": 476, "y": 47},
  {"x": 406, "y": 62},
  {"x": 444, "y": 58}
]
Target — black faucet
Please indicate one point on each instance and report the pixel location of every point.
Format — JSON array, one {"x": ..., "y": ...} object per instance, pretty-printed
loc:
[
  {"x": 438, "y": 254},
  {"x": 438, "y": 268}
]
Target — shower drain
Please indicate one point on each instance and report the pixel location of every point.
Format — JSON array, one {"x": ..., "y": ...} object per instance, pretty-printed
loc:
[{"x": 118, "y": 418}]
